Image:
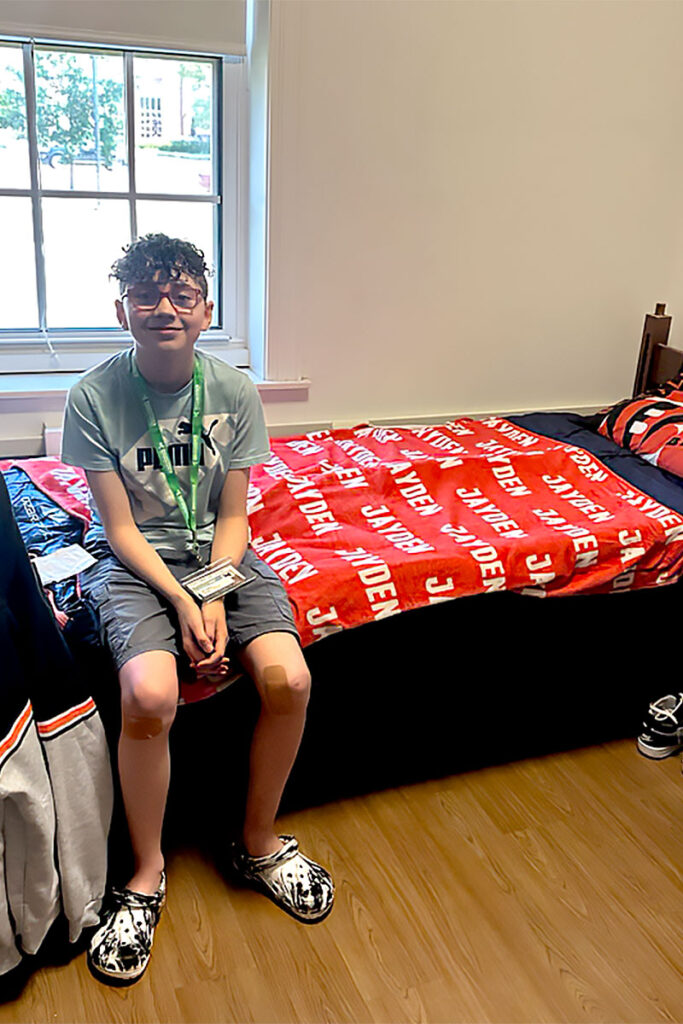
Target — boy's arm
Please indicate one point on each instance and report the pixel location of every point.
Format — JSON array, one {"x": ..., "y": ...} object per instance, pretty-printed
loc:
[
  {"x": 125, "y": 538},
  {"x": 231, "y": 533},
  {"x": 128, "y": 543},
  {"x": 230, "y": 538}
]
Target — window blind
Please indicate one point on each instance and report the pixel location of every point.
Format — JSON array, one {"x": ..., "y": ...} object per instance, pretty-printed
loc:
[{"x": 209, "y": 26}]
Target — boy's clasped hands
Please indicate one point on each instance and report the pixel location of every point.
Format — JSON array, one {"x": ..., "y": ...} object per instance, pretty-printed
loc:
[{"x": 205, "y": 635}]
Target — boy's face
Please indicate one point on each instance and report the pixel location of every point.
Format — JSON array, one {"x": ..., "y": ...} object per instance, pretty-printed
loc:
[{"x": 164, "y": 328}]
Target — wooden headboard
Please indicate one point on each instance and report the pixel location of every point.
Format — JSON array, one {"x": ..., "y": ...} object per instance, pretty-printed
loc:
[{"x": 658, "y": 361}]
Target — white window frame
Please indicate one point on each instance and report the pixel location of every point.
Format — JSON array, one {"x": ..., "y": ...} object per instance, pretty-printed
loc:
[{"x": 70, "y": 351}]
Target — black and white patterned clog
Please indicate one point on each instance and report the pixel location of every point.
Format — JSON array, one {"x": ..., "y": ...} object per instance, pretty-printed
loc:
[
  {"x": 298, "y": 885},
  {"x": 121, "y": 947}
]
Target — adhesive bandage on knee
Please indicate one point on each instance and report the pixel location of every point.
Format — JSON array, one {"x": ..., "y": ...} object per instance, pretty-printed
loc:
[
  {"x": 278, "y": 694},
  {"x": 136, "y": 727}
]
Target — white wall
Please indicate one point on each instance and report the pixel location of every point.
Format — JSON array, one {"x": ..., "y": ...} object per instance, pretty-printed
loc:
[{"x": 472, "y": 204}]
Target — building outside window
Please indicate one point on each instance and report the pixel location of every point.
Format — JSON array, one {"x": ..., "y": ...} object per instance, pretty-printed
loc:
[{"x": 150, "y": 117}]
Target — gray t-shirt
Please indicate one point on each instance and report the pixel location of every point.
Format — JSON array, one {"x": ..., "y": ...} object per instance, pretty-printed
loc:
[{"x": 105, "y": 428}]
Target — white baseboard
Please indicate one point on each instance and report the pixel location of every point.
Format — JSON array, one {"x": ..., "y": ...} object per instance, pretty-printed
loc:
[
  {"x": 418, "y": 421},
  {"x": 585, "y": 410},
  {"x": 22, "y": 447},
  {"x": 287, "y": 429}
]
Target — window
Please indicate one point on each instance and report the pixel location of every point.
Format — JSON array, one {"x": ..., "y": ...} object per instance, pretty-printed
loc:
[{"x": 99, "y": 146}]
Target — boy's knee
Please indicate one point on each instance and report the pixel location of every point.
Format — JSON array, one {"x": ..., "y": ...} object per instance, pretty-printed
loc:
[
  {"x": 285, "y": 693},
  {"x": 148, "y": 707}
]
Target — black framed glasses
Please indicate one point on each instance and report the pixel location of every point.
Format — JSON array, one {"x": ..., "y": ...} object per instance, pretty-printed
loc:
[{"x": 147, "y": 296}]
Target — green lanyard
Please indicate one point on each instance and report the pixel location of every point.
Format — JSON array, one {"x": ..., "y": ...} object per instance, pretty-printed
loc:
[{"x": 189, "y": 513}]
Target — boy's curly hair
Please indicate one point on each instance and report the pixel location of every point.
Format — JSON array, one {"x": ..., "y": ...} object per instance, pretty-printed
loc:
[{"x": 172, "y": 256}]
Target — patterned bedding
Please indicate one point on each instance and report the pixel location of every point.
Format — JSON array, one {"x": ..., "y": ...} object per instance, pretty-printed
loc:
[{"x": 362, "y": 524}]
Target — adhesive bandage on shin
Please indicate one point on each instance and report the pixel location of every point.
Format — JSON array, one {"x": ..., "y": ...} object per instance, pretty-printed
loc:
[{"x": 136, "y": 727}]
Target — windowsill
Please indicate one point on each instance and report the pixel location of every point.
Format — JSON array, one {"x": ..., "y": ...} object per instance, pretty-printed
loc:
[{"x": 18, "y": 386}]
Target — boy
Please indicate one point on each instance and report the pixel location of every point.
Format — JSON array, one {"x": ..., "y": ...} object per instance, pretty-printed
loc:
[{"x": 166, "y": 436}]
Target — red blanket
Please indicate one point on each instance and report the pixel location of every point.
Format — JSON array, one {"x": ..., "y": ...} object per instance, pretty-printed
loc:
[{"x": 360, "y": 524}]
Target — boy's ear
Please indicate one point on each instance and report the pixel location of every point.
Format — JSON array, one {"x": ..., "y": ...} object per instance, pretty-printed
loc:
[
  {"x": 121, "y": 314},
  {"x": 208, "y": 313}
]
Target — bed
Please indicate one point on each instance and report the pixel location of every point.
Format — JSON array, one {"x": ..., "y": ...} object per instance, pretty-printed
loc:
[{"x": 514, "y": 648}]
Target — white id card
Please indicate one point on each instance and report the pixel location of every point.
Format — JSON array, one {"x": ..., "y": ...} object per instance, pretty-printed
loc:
[{"x": 214, "y": 580}]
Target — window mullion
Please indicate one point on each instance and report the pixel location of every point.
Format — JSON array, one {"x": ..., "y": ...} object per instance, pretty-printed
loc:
[
  {"x": 218, "y": 184},
  {"x": 130, "y": 130},
  {"x": 34, "y": 164}
]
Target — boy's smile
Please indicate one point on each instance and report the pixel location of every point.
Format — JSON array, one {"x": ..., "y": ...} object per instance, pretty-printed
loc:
[
  {"x": 164, "y": 322},
  {"x": 164, "y": 328}
]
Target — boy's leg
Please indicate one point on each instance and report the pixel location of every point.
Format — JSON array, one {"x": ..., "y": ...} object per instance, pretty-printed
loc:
[
  {"x": 277, "y": 867},
  {"x": 120, "y": 949},
  {"x": 277, "y": 666},
  {"x": 149, "y": 696}
]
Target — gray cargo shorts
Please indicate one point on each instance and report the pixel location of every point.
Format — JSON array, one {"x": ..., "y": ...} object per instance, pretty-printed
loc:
[{"x": 134, "y": 618}]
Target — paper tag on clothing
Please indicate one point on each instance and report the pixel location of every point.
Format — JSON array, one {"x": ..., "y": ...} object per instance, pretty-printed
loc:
[
  {"x": 61, "y": 564},
  {"x": 215, "y": 580}
]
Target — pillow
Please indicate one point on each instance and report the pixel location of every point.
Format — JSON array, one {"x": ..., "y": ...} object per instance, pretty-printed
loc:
[{"x": 650, "y": 425}]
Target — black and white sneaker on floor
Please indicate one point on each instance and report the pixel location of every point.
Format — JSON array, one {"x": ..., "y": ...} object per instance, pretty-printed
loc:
[
  {"x": 295, "y": 883},
  {"x": 121, "y": 947},
  {"x": 662, "y": 733}
]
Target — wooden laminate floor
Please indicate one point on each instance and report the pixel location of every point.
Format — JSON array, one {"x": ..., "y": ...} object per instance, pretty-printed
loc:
[{"x": 547, "y": 890}]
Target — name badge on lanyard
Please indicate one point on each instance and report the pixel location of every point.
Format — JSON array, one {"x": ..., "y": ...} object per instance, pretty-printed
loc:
[
  {"x": 215, "y": 580},
  {"x": 188, "y": 510}
]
